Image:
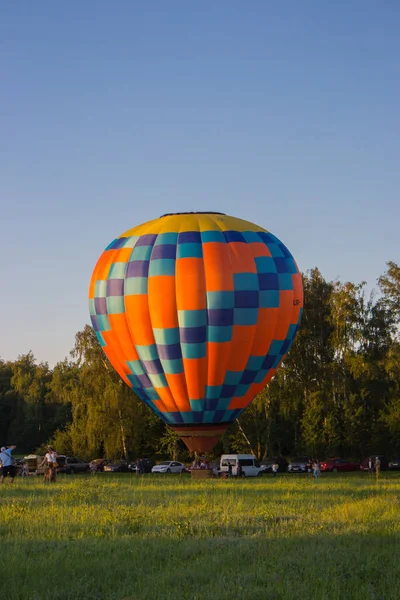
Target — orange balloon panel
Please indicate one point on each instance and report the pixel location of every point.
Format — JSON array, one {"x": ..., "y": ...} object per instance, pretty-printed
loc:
[{"x": 196, "y": 312}]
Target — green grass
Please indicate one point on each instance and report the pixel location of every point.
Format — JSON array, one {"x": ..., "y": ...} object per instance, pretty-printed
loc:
[{"x": 123, "y": 537}]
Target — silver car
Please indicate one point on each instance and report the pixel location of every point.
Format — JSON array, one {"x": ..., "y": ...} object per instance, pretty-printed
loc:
[
  {"x": 299, "y": 464},
  {"x": 169, "y": 466}
]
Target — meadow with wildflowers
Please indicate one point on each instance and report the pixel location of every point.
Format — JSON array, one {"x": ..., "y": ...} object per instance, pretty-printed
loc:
[{"x": 128, "y": 537}]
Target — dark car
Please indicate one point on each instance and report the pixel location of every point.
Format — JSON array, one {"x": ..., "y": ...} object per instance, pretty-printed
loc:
[
  {"x": 116, "y": 466},
  {"x": 335, "y": 465},
  {"x": 147, "y": 465},
  {"x": 266, "y": 464},
  {"x": 71, "y": 465},
  {"x": 394, "y": 465},
  {"x": 384, "y": 462}
]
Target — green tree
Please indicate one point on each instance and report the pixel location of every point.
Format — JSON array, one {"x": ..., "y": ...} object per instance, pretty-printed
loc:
[
  {"x": 390, "y": 286},
  {"x": 107, "y": 417}
]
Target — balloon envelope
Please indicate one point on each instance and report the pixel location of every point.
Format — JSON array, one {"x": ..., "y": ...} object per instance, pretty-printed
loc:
[{"x": 196, "y": 311}]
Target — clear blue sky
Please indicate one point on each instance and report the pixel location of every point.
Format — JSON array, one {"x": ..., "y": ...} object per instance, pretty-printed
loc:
[{"x": 112, "y": 113}]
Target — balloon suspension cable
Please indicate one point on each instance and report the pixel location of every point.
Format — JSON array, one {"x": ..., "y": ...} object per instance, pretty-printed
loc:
[{"x": 244, "y": 435}]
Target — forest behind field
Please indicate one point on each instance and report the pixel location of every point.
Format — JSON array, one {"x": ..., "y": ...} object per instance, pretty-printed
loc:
[{"x": 337, "y": 392}]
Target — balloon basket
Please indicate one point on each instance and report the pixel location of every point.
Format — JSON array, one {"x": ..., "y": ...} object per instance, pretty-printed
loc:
[
  {"x": 202, "y": 473},
  {"x": 201, "y": 438}
]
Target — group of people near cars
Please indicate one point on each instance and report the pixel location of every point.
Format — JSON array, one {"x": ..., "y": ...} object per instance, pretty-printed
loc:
[
  {"x": 374, "y": 466},
  {"x": 313, "y": 468},
  {"x": 200, "y": 463},
  {"x": 8, "y": 467}
]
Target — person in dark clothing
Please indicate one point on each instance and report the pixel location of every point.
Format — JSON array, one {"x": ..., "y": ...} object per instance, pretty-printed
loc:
[{"x": 371, "y": 466}]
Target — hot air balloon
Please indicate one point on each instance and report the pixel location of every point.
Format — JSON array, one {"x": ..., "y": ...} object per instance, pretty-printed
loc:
[{"x": 196, "y": 311}]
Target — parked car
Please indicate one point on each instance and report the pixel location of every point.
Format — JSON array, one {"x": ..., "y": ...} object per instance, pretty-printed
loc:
[
  {"x": 97, "y": 465},
  {"x": 116, "y": 466},
  {"x": 339, "y": 464},
  {"x": 169, "y": 466},
  {"x": 299, "y": 464},
  {"x": 266, "y": 464},
  {"x": 394, "y": 465},
  {"x": 71, "y": 465},
  {"x": 384, "y": 462},
  {"x": 147, "y": 465},
  {"x": 248, "y": 462}
]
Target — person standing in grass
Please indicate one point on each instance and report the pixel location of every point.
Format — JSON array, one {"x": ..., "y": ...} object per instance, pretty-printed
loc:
[
  {"x": 275, "y": 468},
  {"x": 377, "y": 467},
  {"x": 8, "y": 469},
  {"x": 315, "y": 469},
  {"x": 370, "y": 466},
  {"x": 50, "y": 459}
]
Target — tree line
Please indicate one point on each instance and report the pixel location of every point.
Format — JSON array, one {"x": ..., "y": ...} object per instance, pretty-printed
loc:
[{"x": 337, "y": 393}]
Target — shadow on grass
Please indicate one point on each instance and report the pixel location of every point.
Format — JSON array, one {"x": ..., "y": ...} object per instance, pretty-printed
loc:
[{"x": 360, "y": 567}]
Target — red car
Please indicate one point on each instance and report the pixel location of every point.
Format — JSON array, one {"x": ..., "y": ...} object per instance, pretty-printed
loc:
[{"x": 339, "y": 464}]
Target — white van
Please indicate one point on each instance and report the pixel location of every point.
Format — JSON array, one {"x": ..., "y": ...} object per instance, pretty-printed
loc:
[{"x": 249, "y": 463}]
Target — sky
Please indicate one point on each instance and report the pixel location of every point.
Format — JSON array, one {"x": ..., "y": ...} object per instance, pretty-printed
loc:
[{"x": 112, "y": 113}]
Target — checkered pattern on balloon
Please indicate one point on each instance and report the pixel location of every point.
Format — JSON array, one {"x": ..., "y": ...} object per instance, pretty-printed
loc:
[{"x": 196, "y": 312}]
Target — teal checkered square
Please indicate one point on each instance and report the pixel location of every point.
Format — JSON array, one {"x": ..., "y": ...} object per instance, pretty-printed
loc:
[
  {"x": 194, "y": 350},
  {"x": 134, "y": 286},
  {"x": 115, "y": 305},
  {"x": 158, "y": 380},
  {"x": 147, "y": 352},
  {"x": 117, "y": 270},
  {"x": 100, "y": 289},
  {"x": 192, "y": 318},
  {"x": 167, "y": 336},
  {"x": 245, "y": 281},
  {"x": 162, "y": 266},
  {"x": 172, "y": 366}
]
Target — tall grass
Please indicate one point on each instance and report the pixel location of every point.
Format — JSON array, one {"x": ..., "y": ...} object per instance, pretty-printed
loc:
[{"x": 125, "y": 537}]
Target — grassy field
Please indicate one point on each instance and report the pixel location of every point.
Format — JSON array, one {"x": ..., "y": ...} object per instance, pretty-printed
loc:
[{"x": 125, "y": 537}]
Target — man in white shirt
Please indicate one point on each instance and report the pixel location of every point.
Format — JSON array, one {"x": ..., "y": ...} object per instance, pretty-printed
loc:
[{"x": 6, "y": 460}]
